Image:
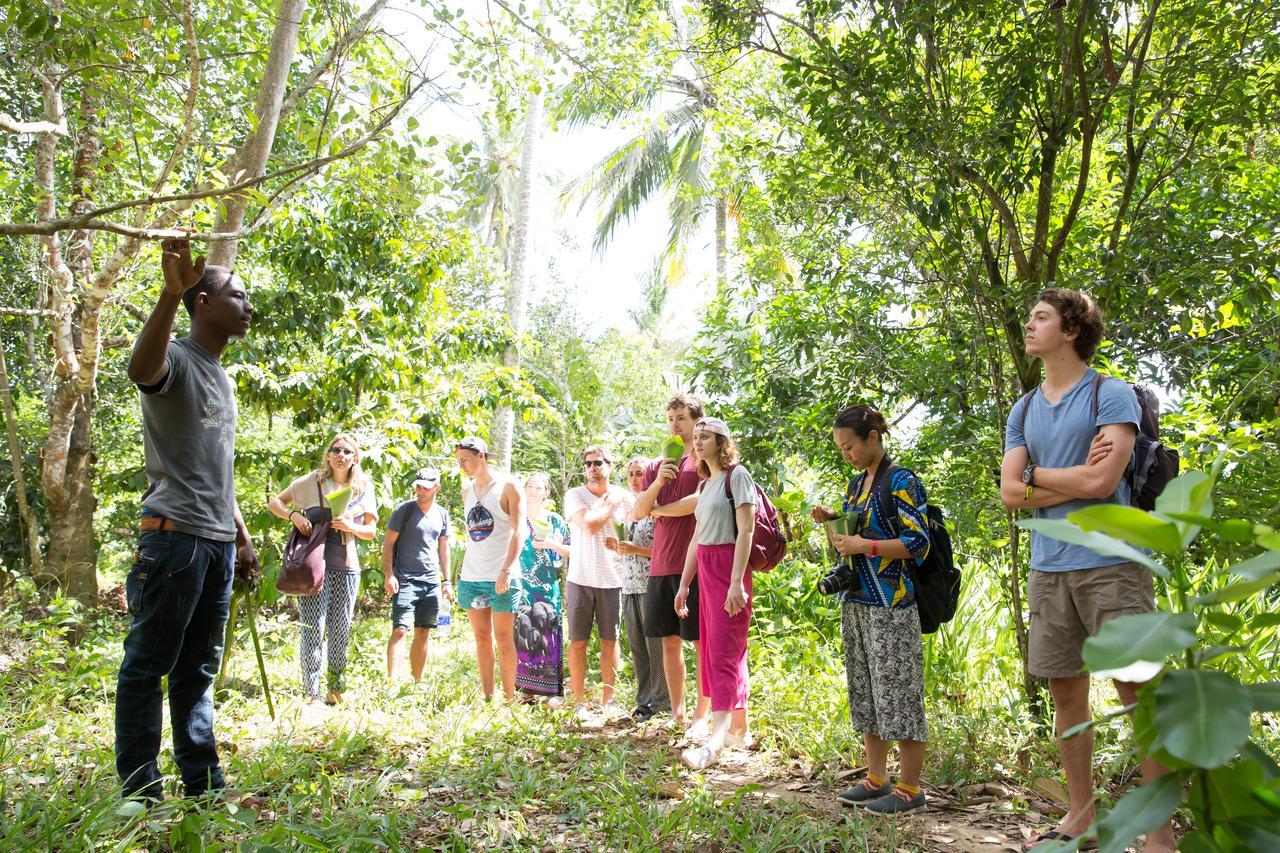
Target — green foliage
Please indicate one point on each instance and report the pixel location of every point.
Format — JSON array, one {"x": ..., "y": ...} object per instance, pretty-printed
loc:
[{"x": 1198, "y": 718}]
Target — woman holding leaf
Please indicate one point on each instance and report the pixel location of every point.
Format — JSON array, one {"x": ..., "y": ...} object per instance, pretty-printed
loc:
[
  {"x": 340, "y": 490},
  {"x": 880, "y": 624}
]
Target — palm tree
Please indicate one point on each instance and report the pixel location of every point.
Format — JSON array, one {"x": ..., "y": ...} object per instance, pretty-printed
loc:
[{"x": 674, "y": 154}]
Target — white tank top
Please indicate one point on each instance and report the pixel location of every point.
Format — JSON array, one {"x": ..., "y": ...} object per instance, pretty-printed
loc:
[{"x": 488, "y": 534}]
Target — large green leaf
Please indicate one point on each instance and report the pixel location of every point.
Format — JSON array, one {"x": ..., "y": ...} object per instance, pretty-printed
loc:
[
  {"x": 1131, "y": 525},
  {"x": 1202, "y": 716},
  {"x": 1270, "y": 770},
  {"x": 1098, "y": 542},
  {"x": 1141, "y": 636},
  {"x": 1189, "y": 493},
  {"x": 1259, "y": 833},
  {"x": 1234, "y": 592},
  {"x": 1266, "y": 696},
  {"x": 1141, "y": 811},
  {"x": 1265, "y": 565},
  {"x": 1226, "y": 793}
]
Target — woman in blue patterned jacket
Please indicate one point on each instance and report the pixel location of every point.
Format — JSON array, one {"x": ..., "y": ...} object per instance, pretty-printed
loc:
[{"x": 884, "y": 659}]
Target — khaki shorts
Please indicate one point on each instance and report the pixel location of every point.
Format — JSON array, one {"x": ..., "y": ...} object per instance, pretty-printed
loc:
[
  {"x": 584, "y": 605},
  {"x": 1068, "y": 607}
]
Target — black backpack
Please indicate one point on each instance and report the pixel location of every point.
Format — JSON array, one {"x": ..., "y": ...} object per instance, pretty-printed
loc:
[
  {"x": 937, "y": 580},
  {"x": 1152, "y": 465}
]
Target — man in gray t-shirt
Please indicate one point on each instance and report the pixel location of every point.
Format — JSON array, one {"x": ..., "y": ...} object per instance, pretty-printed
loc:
[
  {"x": 192, "y": 537},
  {"x": 414, "y": 552},
  {"x": 1068, "y": 445}
]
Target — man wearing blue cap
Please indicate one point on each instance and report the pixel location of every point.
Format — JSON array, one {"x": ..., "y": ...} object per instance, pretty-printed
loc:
[{"x": 413, "y": 553}]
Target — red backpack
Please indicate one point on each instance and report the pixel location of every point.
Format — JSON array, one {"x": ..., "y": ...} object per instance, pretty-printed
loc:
[{"x": 768, "y": 543}]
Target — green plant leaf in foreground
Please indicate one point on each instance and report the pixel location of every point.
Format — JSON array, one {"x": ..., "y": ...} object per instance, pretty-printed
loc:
[
  {"x": 1262, "y": 567},
  {"x": 1141, "y": 811},
  {"x": 1129, "y": 524},
  {"x": 1266, "y": 696},
  {"x": 1202, "y": 717},
  {"x": 1226, "y": 793},
  {"x": 1189, "y": 493},
  {"x": 1139, "y": 637},
  {"x": 1099, "y": 542}
]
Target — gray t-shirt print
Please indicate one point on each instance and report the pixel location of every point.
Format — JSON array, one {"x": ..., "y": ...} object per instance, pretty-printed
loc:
[
  {"x": 416, "y": 556},
  {"x": 1058, "y": 436},
  {"x": 189, "y": 442}
]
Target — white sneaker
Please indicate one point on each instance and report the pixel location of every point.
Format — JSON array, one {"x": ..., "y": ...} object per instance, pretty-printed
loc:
[
  {"x": 745, "y": 741},
  {"x": 698, "y": 729},
  {"x": 699, "y": 757},
  {"x": 611, "y": 711},
  {"x": 583, "y": 712}
]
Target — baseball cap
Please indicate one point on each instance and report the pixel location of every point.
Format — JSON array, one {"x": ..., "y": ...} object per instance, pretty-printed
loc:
[
  {"x": 428, "y": 478},
  {"x": 713, "y": 425},
  {"x": 472, "y": 442}
]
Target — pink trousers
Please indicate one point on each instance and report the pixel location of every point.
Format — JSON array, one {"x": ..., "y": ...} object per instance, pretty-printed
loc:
[{"x": 722, "y": 658}]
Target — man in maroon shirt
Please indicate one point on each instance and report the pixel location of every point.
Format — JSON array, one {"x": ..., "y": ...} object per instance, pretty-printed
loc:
[{"x": 665, "y": 483}]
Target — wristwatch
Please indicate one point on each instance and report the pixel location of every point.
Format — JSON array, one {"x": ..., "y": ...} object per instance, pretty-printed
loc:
[{"x": 1029, "y": 474}]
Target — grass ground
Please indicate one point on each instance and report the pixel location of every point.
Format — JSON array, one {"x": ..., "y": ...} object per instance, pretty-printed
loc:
[{"x": 431, "y": 766}]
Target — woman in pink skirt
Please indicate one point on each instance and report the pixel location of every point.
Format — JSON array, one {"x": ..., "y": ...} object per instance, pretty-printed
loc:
[{"x": 718, "y": 556}]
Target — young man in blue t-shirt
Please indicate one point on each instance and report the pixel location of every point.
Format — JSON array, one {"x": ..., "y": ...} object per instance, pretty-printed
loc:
[
  {"x": 415, "y": 569},
  {"x": 1067, "y": 446}
]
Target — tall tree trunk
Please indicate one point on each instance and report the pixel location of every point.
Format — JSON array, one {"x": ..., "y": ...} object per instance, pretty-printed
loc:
[
  {"x": 67, "y": 461},
  {"x": 73, "y": 547},
  {"x": 250, "y": 160},
  {"x": 25, "y": 513},
  {"x": 502, "y": 434},
  {"x": 722, "y": 241}
]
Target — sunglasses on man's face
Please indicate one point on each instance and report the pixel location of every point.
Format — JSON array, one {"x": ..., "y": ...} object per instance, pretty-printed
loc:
[
  {"x": 594, "y": 463},
  {"x": 342, "y": 451}
]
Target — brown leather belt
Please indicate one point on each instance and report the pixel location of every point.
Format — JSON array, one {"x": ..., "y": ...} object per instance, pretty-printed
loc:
[{"x": 157, "y": 522}]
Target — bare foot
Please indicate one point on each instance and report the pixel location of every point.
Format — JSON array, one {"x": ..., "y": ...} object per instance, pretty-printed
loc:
[{"x": 1161, "y": 841}]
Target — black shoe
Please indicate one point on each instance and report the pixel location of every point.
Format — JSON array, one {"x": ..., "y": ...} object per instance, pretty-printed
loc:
[{"x": 640, "y": 713}]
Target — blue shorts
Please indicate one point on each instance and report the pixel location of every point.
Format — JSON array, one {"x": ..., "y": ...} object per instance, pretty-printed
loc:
[
  {"x": 419, "y": 598},
  {"x": 479, "y": 595}
]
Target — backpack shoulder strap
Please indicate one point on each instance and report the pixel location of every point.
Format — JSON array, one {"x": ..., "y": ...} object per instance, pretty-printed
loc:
[
  {"x": 1022, "y": 413},
  {"x": 886, "y": 495},
  {"x": 728, "y": 484},
  {"x": 1093, "y": 403}
]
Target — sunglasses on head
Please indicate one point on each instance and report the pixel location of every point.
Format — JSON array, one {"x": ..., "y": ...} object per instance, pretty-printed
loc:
[
  {"x": 594, "y": 463},
  {"x": 343, "y": 451}
]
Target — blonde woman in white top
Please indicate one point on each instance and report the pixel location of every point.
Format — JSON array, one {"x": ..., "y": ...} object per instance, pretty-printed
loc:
[{"x": 329, "y": 612}]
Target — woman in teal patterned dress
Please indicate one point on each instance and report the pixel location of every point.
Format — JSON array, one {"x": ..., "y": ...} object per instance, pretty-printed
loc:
[{"x": 539, "y": 636}]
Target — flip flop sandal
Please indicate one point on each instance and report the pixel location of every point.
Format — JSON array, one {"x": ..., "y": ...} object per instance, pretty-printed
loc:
[{"x": 1055, "y": 835}]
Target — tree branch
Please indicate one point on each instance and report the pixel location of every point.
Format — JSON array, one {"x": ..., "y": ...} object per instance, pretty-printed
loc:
[
  {"x": 325, "y": 61},
  {"x": 21, "y": 128},
  {"x": 87, "y": 221},
  {"x": 252, "y": 155},
  {"x": 1013, "y": 236}
]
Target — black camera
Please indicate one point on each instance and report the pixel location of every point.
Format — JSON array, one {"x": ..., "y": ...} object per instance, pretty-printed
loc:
[{"x": 841, "y": 578}]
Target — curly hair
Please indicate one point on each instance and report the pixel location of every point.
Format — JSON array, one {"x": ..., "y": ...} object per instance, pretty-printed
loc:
[
  {"x": 687, "y": 402},
  {"x": 727, "y": 451},
  {"x": 1080, "y": 314}
]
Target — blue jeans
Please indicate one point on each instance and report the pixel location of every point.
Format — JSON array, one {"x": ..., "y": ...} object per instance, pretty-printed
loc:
[{"x": 178, "y": 591}]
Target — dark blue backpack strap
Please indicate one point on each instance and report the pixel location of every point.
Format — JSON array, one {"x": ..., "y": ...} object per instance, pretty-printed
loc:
[
  {"x": 1022, "y": 413},
  {"x": 886, "y": 498},
  {"x": 1093, "y": 403}
]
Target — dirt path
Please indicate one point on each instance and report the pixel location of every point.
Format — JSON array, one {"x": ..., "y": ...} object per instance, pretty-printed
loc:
[{"x": 982, "y": 818}]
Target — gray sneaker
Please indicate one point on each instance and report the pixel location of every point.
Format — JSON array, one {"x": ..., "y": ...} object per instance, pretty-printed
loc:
[
  {"x": 863, "y": 792},
  {"x": 897, "y": 802}
]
